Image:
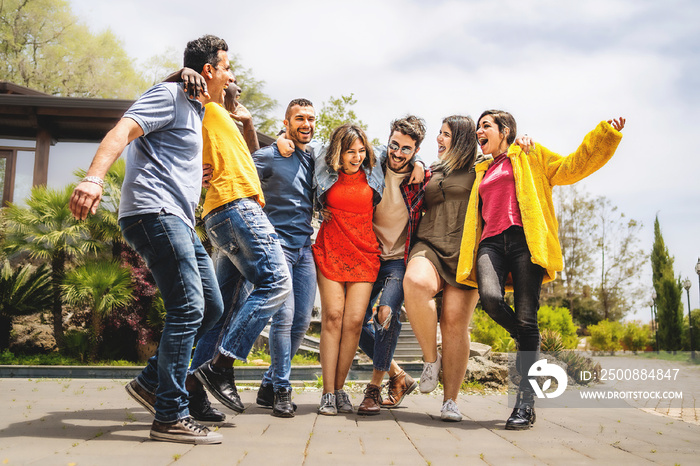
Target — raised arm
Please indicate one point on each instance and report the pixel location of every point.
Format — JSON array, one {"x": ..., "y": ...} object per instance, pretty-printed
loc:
[
  {"x": 87, "y": 195},
  {"x": 249, "y": 134},
  {"x": 596, "y": 149}
]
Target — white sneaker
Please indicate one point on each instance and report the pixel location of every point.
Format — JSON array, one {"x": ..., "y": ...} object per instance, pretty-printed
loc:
[
  {"x": 327, "y": 406},
  {"x": 450, "y": 412},
  {"x": 429, "y": 377}
]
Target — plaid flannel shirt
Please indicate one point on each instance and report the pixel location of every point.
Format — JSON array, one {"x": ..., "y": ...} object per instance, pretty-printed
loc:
[{"x": 413, "y": 196}]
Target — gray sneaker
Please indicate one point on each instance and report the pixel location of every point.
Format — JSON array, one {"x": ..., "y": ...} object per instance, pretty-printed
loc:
[
  {"x": 450, "y": 412},
  {"x": 342, "y": 402},
  {"x": 327, "y": 406},
  {"x": 186, "y": 430},
  {"x": 142, "y": 396}
]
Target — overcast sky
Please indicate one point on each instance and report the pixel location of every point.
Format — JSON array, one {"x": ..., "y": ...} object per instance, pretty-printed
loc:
[{"x": 559, "y": 67}]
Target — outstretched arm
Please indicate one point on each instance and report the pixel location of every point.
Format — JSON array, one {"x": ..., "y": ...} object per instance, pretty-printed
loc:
[
  {"x": 87, "y": 195},
  {"x": 596, "y": 149}
]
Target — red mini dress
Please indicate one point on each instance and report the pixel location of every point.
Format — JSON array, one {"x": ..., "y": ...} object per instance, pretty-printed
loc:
[{"x": 346, "y": 248}]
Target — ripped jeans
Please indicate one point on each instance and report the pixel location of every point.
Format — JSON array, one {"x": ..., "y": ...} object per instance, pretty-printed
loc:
[{"x": 376, "y": 341}]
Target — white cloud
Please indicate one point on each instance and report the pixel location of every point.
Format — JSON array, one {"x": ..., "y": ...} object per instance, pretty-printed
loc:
[{"x": 559, "y": 67}]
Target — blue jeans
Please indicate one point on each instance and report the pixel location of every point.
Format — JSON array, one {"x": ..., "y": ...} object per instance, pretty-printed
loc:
[
  {"x": 185, "y": 277},
  {"x": 377, "y": 342},
  {"x": 498, "y": 256},
  {"x": 248, "y": 248},
  {"x": 290, "y": 324}
]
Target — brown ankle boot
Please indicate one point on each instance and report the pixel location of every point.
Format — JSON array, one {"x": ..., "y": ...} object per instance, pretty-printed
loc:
[
  {"x": 399, "y": 386},
  {"x": 372, "y": 402}
]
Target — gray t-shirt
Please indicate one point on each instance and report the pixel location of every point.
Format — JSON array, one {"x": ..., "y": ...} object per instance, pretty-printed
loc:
[{"x": 164, "y": 166}]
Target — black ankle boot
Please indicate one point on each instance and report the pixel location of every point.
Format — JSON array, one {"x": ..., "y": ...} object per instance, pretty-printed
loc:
[{"x": 523, "y": 415}]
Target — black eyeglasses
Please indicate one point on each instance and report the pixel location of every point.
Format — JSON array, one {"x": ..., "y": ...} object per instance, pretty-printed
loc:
[{"x": 405, "y": 150}]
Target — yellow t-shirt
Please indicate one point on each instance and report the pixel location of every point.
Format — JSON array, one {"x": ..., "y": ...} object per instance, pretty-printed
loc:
[{"x": 234, "y": 175}]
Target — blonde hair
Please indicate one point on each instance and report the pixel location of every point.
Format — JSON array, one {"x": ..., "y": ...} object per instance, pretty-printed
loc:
[
  {"x": 342, "y": 139},
  {"x": 462, "y": 151}
]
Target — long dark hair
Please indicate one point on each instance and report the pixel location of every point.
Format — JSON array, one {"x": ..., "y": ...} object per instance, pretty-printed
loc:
[{"x": 462, "y": 151}]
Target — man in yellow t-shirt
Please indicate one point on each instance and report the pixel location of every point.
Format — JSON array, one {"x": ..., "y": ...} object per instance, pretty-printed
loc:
[{"x": 247, "y": 246}]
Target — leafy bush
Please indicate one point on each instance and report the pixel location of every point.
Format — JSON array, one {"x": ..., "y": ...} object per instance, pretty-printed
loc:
[
  {"x": 77, "y": 343},
  {"x": 606, "y": 335},
  {"x": 485, "y": 330},
  {"x": 635, "y": 336},
  {"x": 558, "y": 319},
  {"x": 23, "y": 290}
]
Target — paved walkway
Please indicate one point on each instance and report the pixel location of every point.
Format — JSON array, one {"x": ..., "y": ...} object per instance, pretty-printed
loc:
[{"x": 94, "y": 421}]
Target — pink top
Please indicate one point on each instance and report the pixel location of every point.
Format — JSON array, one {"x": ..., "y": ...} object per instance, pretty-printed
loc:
[{"x": 499, "y": 209}]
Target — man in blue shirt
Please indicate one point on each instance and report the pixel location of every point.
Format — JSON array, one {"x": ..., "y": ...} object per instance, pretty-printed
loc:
[
  {"x": 162, "y": 132},
  {"x": 287, "y": 184}
]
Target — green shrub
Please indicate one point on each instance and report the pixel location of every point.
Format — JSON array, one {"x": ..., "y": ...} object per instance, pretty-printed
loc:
[
  {"x": 77, "y": 343},
  {"x": 606, "y": 335},
  {"x": 635, "y": 336},
  {"x": 485, "y": 330},
  {"x": 558, "y": 319}
]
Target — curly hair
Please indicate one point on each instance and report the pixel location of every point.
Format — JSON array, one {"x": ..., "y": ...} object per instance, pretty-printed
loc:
[
  {"x": 410, "y": 125},
  {"x": 204, "y": 50}
]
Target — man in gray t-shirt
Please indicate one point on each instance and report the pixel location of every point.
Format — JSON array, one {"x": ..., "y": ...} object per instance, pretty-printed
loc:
[{"x": 162, "y": 132}]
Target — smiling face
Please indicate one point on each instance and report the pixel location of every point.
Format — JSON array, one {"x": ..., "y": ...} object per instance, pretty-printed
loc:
[
  {"x": 301, "y": 124},
  {"x": 444, "y": 140},
  {"x": 351, "y": 160},
  {"x": 218, "y": 77},
  {"x": 490, "y": 138},
  {"x": 397, "y": 159}
]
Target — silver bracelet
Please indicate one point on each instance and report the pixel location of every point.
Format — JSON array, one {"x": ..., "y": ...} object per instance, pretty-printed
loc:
[{"x": 94, "y": 179}]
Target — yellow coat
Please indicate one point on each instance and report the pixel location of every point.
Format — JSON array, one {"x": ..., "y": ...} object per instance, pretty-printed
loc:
[{"x": 535, "y": 174}]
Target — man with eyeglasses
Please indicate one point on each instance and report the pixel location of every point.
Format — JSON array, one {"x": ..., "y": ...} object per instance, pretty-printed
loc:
[{"x": 395, "y": 222}]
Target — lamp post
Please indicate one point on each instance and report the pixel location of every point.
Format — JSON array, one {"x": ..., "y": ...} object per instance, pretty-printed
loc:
[
  {"x": 655, "y": 320},
  {"x": 686, "y": 285}
]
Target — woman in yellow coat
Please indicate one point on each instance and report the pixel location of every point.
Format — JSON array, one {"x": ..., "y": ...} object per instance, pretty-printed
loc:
[{"x": 510, "y": 240}]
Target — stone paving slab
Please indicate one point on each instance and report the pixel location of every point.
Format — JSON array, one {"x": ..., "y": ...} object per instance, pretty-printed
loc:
[{"x": 94, "y": 421}]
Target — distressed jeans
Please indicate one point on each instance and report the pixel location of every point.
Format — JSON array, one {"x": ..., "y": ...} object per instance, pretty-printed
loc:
[
  {"x": 377, "y": 342},
  {"x": 247, "y": 249},
  {"x": 185, "y": 277},
  {"x": 497, "y": 257}
]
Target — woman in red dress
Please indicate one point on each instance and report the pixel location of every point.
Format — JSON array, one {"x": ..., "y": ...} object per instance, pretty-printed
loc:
[{"x": 346, "y": 252}]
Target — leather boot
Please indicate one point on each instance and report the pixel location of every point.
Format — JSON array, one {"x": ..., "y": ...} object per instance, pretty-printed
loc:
[
  {"x": 372, "y": 402},
  {"x": 523, "y": 415}
]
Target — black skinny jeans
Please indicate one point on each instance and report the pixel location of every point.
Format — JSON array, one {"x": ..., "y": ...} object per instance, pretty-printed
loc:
[{"x": 498, "y": 256}]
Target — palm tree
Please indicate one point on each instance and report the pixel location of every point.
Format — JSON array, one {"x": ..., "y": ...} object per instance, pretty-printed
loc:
[
  {"x": 46, "y": 230},
  {"x": 23, "y": 291},
  {"x": 102, "y": 287}
]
